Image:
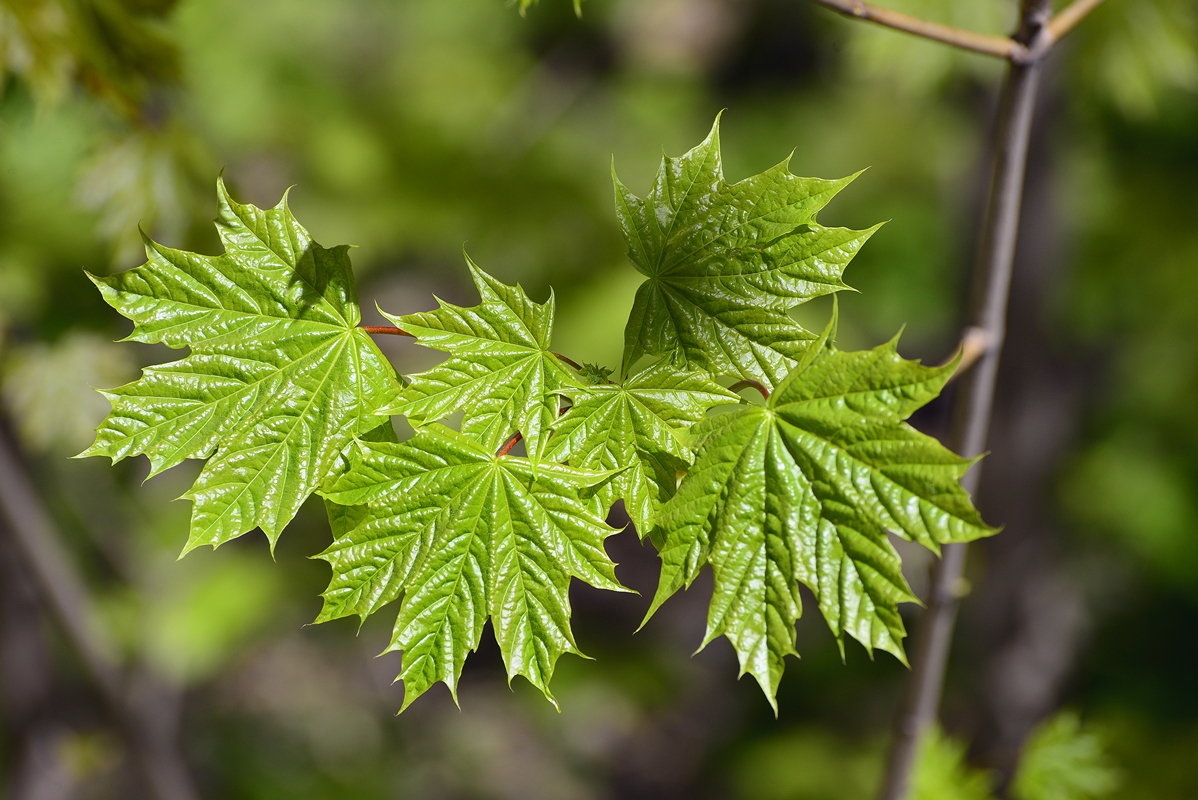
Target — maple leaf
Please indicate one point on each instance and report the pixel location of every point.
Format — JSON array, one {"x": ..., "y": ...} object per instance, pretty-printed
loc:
[
  {"x": 804, "y": 490},
  {"x": 725, "y": 262},
  {"x": 279, "y": 379},
  {"x": 501, "y": 373},
  {"x": 465, "y": 535},
  {"x": 634, "y": 427}
]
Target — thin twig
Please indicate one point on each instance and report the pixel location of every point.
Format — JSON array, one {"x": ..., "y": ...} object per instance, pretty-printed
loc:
[
  {"x": 1068, "y": 18},
  {"x": 974, "y": 345},
  {"x": 35, "y": 540},
  {"x": 750, "y": 383},
  {"x": 975, "y": 398},
  {"x": 998, "y": 46}
]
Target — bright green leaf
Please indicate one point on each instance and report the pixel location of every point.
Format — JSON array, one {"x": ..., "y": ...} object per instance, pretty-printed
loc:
[
  {"x": 279, "y": 380},
  {"x": 804, "y": 490},
  {"x": 501, "y": 373},
  {"x": 634, "y": 427},
  {"x": 466, "y": 535},
  {"x": 725, "y": 262}
]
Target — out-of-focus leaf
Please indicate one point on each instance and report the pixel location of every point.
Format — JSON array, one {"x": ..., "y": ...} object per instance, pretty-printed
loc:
[
  {"x": 48, "y": 387},
  {"x": 1061, "y": 761},
  {"x": 941, "y": 772},
  {"x": 145, "y": 180}
]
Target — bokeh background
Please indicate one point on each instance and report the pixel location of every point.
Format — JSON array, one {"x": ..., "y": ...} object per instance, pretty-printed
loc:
[{"x": 414, "y": 128}]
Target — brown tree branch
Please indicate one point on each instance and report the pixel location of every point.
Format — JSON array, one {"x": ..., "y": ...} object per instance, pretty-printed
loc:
[
  {"x": 975, "y": 399},
  {"x": 999, "y": 46},
  {"x": 1068, "y": 18}
]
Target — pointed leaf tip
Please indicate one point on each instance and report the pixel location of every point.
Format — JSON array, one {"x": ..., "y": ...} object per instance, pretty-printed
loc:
[{"x": 276, "y": 384}]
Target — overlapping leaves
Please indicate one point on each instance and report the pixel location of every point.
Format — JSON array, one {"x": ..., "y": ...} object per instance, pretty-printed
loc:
[
  {"x": 279, "y": 379},
  {"x": 725, "y": 262},
  {"x": 501, "y": 373},
  {"x": 803, "y": 490},
  {"x": 633, "y": 428},
  {"x": 466, "y": 536}
]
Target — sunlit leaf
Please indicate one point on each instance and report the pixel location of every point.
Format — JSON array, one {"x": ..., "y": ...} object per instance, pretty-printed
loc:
[
  {"x": 280, "y": 378},
  {"x": 466, "y": 536},
  {"x": 725, "y": 262},
  {"x": 803, "y": 490}
]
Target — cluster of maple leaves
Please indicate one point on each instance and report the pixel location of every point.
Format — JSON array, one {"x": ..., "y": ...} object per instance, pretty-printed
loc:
[{"x": 286, "y": 395}]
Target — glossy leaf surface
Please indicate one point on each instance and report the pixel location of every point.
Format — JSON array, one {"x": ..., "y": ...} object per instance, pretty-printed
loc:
[
  {"x": 501, "y": 373},
  {"x": 725, "y": 262},
  {"x": 634, "y": 427},
  {"x": 803, "y": 490},
  {"x": 466, "y": 536},
  {"x": 279, "y": 379}
]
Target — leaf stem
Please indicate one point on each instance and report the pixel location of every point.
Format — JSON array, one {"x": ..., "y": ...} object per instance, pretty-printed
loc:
[
  {"x": 512, "y": 441},
  {"x": 569, "y": 361},
  {"x": 386, "y": 329},
  {"x": 975, "y": 399},
  {"x": 749, "y": 382}
]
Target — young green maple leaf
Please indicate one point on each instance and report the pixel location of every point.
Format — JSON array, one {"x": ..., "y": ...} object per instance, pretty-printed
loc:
[
  {"x": 279, "y": 380},
  {"x": 804, "y": 490},
  {"x": 633, "y": 427},
  {"x": 501, "y": 373},
  {"x": 465, "y": 535},
  {"x": 725, "y": 262}
]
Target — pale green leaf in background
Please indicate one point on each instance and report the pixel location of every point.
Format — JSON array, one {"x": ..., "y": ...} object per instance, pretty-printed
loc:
[{"x": 1063, "y": 761}]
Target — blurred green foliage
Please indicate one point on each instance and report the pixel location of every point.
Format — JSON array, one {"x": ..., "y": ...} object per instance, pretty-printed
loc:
[{"x": 414, "y": 128}]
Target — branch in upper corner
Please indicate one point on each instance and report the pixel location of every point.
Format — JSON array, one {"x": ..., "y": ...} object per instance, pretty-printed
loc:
[
  {"x": 1068, "y": 18},
  {"x": 998, "y": 46}
]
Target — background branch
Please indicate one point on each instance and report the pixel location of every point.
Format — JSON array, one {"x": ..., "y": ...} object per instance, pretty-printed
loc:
[
  {"x": 975, "y": 398},
  {"x": 1067, "y": 19},
  {"x": 33, "y": 536},
  {"x": 998, "y": 46}
]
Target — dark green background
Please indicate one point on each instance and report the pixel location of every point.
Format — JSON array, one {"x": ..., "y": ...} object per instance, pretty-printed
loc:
[{"x": 415, "y": 128}]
